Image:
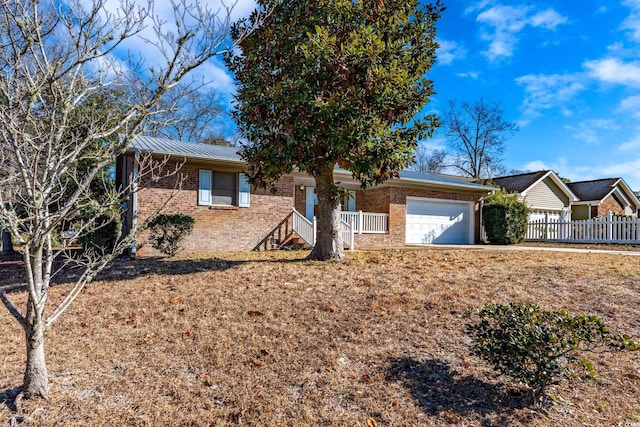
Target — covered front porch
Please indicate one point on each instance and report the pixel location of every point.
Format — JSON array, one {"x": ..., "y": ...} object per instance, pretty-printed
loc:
[{"x": 357, "y": 217}]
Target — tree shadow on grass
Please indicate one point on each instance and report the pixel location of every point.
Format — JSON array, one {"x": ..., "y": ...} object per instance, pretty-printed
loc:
[
  {"x": 124, "y": 268},
  {"x": 436, "y": 388}
]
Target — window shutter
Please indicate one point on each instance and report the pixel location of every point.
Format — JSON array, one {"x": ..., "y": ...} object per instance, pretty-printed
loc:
[
  {"x": 244, "y": 191},
  {"x": 204, "y": 187}
]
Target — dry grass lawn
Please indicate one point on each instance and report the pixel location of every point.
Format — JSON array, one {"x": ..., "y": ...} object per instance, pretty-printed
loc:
[{"x": 265, "y": 339}]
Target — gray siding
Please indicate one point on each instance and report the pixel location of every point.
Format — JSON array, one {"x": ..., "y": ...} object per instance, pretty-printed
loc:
[{"x": 547, "y": 195}]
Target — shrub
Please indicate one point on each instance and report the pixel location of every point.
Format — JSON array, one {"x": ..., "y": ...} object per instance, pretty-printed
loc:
[
  {"x": 105, "y": 234},
  {"x": 504, "y": 218},
  {"x": 167, "y": 231},
  {"x": 536, "y": 347}
]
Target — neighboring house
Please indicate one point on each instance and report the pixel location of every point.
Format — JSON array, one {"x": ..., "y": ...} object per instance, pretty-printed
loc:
[
  {"x": 415, "y": 208},
  {"x": 546, "y": 195},
  {"x": 599, "y": 196}
]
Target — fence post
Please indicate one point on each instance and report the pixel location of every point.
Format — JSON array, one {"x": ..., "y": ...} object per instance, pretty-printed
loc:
[
  {"x": 546, "y": 226},
  {"x": 360, "y": 222},
  {"x": 609, "y": 226}
]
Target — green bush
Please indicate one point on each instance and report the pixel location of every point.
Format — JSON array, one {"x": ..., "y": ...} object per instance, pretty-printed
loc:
[
  {"x": 105, "y": 234},
  {"x": 537, "y": 347},
  {"x": 167, "y": 231},
  {"x": 505, "y": 218}
]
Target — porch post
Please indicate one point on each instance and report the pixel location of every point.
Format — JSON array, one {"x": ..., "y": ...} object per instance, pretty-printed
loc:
[{"x": 315, "y": 229}]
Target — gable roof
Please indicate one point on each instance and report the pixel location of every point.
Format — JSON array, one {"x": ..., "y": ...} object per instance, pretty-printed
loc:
[
  {"x": 599, "y": 189},
  {"x": 199, "y": 151},
  {"x": 520, "y": 182},
  {"x": 596, "y": 189}
]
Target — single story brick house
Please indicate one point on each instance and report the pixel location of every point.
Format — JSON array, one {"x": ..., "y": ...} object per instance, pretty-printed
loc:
[
  {"x": 546, "y": 195},
  {"x": 599, "y": 196},
  {"x": 231, "y": 215}
]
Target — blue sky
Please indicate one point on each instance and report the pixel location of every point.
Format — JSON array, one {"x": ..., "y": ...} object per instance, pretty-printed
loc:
[{"x": 566, "y": 71}]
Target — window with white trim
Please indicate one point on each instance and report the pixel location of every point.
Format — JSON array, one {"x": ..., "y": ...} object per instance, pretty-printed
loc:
[{"x": 217, "y": 188}]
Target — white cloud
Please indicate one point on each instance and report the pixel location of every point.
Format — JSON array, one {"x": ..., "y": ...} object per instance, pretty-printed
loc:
[
  {"x": 433, "y": 144},
  {"x": 544, "y": 92},
  {"x": 629, "y": 170},
  {"x": 548, "y": 19},
  {"x": 469, "y": 74},
  {"x": 612, "y": 70},
  {"x": 504, "y": 23},
  {"x": 217, "y": 77},
  {"x": 589, "y": 131},
  {"x": 450, "y": 51},
  {"x": 477, "y": 6},
  {"x": 632, "y": 22},
  {"x": 536, "y": 165},
  {"x": 632, "y": 144},
  {"x": 631, "y": 105}
]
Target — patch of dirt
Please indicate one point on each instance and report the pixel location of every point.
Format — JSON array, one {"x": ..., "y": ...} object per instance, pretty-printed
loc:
[{"x": 270, "y": 339}]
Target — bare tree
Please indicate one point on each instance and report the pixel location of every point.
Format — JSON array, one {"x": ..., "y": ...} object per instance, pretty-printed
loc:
[
  {"x": 55, "y": 61},
  {"x": 188, "y": 114},
  {"x": 476, "y": 134},
  {"x": 429, "y": 161}
]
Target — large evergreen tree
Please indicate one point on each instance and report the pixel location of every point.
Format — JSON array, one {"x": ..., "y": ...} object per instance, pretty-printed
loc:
[{"x": 326, "y": 83}]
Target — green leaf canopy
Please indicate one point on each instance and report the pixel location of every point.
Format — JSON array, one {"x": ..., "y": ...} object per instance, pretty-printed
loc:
[{"x": 340, "y": 82}]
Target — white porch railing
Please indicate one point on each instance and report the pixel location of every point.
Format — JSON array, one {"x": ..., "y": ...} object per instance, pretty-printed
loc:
[
  {"x": 609, "y": 229},
  {"x": 304, "y": 228},
  {"x": 367, "y": 222},
  {"x": 308, "y": 230}
]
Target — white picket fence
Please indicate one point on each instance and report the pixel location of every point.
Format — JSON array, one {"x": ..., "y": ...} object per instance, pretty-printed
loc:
[{"x": 609, "y": 229}]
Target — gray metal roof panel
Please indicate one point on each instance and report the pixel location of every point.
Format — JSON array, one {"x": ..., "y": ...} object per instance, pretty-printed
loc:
[
  {"x": 165, "y": 146},
  {"x": 444, "y": 180},
  {"x": 147, "y": 144}
]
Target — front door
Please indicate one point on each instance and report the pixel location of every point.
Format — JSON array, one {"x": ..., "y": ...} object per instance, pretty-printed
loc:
[{"x": 310, "y": 202}]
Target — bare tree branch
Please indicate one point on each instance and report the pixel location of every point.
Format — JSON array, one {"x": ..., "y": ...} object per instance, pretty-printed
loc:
[
  {"x": 71, "y": 102},
  {"x": 477, "y": 134}
]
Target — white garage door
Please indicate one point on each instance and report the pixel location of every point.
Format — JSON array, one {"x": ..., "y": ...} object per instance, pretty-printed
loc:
[{"x": 437, "y": 221}]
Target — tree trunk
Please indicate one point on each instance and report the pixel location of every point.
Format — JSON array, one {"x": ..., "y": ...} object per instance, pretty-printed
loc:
[
  {"x": 329, "y": 237},
  {"x": 7, "y": 245},
  {"x": 36, "y": 379}
]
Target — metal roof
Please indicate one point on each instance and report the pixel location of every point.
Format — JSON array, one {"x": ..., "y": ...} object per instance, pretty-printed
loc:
[
  {"x": 409, "y": 175},
  {"x": 194, "y": 150}
]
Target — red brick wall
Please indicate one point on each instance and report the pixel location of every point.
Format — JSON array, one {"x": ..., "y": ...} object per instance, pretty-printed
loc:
[
  {"x": 609, "y": 204},
  {"x": 300, "y": 200},
  {"x": 217, "y": 228},
  {"x": 395, "y": 200}
]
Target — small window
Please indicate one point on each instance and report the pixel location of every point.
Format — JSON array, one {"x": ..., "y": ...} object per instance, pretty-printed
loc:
[{"x": 223, "y": 189}]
